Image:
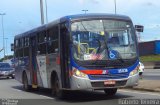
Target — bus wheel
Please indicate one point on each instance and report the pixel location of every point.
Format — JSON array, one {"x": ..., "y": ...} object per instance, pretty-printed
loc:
[
  {"x": 26, "y": 87},
  {"x": 110, "y": 92},
  {"x": 12, "y": 77},
  {"x": 56, "y": 91}
]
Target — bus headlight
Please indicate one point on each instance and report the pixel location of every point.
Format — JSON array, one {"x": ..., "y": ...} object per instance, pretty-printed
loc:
[
  {"x": 135, "y": 71},
  {"x": 78, "y": 73}
]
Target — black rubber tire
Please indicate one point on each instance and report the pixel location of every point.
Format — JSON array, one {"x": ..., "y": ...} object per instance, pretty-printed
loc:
[
  {"x": 12, "y": 77},
  {"x": 26, "y": 86},
  {"x": 56, "y": 91},
  {"x": 110, "y": 92}
]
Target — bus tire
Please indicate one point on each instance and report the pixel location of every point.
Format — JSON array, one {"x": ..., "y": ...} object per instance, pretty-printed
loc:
[
  {"x": 26, "y": 86},
  {"x": 12, "y": 77},
  {"x": 110, "y": 92},
  {"x": 56, "y": 91}
]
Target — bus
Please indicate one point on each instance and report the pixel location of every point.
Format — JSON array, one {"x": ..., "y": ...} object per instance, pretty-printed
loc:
[{"x": 78, "y": 52}]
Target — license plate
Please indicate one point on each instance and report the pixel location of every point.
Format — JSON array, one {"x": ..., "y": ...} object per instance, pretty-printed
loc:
[{"x": 110, "y": 82}]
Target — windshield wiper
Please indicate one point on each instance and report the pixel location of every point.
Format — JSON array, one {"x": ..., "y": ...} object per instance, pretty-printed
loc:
[{"x": 84, "y": 27}]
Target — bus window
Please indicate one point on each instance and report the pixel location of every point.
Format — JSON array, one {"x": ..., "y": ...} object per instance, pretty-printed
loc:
[
  {"x": 16, "y": 53},
  {"x": 42, "y": 39},
  {"x": 26, "y": 46},
  {"x": 53, "y": 33},
  {"x": 26, "y": 43},
  {"x": 26, "y": 51},
  {"x": 20, "y": 52},
  {"x": 16, "y": 43},
  {"x": 52, "y": 43},
  {"x": 22, "y": 42},
  {"x": 51, "y": 46}
]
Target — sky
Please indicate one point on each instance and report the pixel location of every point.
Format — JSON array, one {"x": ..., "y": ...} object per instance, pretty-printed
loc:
[{"x": 23, "y": 15}]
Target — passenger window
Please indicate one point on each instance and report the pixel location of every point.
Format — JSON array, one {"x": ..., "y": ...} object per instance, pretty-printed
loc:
[
  {"x": 26, "y": 43},
  {"x": 52, "y": 43},
  {"x": 42, "y": 37},
  {"x": 20, "y": 52},
  {"x": 16, "y": 43},
  {"x": 53, "y": 33},
  {"x": 16, "y": 53},
  {"x": 42, "y": 48}
]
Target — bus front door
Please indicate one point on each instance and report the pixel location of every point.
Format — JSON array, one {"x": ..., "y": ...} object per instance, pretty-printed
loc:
[{"x": 64, "y": 55}]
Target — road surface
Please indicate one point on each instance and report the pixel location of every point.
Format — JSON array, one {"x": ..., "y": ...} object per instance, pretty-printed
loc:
[
  {"x": 11, "y": 91},
  {"x": 151, "y": 74}
]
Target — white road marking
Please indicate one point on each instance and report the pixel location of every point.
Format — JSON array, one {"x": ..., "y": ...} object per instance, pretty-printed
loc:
[
  {"x": 46, "y": 97},
  {"x": 139, "y": 92},
  {"x": 33, "y": 93},
  {"x": 18, "y": 90}
]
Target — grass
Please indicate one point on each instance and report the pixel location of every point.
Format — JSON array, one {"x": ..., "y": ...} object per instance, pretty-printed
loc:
[{"x": 150, "y": 58}]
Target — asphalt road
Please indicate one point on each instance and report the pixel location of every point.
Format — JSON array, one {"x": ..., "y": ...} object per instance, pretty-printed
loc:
[
  {"x": 11, "y": 91},
  {"x": 151, "y": 74}
]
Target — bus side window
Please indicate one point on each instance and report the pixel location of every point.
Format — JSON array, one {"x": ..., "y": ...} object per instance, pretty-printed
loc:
[
  {"x": 42, "y": 48},
  {"x": 16, "y": 43},
  {"x": 16, "y": 53},
  {"x": 20, "y": 52},
  {"x": 52, "y": 43},
  {"x": 16, "y": 48},
  {"x": 42, "y": 39},
  {"x": 26, "y": 46},
  {"x": 19, "y": 48}
]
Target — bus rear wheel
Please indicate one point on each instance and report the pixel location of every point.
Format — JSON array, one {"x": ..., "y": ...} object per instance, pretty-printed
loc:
[
  {"x": 110, "y": 92},
  {"x": 56, "y": 91}
]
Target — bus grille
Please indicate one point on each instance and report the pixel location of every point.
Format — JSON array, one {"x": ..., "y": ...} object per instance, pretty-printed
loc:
[{"x": 108, "y": 76}]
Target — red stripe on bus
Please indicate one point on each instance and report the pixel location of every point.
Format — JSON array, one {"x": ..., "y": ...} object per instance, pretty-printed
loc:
[
  {"x": 35, "y": 78},
  {"x": 92, "y": 71},
  {"x": 58, "y": 60},
  {"x": 47, "y": 60}
]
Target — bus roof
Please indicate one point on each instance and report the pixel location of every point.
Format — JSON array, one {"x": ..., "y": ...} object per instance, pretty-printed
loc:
[
  {"x": 73, "y": 18},
  {"x": 94, "y": 16}
]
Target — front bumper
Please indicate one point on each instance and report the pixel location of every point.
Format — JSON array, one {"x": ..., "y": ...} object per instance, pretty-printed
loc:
[
  {"x": 7, "y": 75},
  {"x": 3, "y": 76},
  {"x": 78, "y": 83}
]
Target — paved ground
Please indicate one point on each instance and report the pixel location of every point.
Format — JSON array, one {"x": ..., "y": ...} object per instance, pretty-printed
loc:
[
  {"x": 11, "y": 89},
  {"x": 150, "y": 81},
  {"x": 151, "y": 74},
  {"x": 152, "y": 65},
  {"x": 148, "y": 85}
]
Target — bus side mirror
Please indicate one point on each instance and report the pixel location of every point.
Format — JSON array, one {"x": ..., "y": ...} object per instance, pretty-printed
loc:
[
  {"x": 139, "y": 28},
  {"x": 12, "y": 47}
]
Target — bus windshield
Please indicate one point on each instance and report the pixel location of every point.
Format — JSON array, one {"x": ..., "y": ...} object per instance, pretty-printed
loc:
[{"x": 103, "y": 40}]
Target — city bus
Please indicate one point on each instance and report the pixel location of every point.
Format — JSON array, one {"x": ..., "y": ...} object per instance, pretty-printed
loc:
[{"x": 78, "y": 52}]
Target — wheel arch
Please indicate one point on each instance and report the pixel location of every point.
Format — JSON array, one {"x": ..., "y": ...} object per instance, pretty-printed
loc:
[
  {"x": 52, "y": 77},
  {"x": 24, "y": 73}
]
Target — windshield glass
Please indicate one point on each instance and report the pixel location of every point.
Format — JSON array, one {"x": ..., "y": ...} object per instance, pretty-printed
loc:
[
  {"x": 4, "y": 65},
  {"x": 103, "y": 40}
]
